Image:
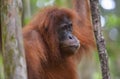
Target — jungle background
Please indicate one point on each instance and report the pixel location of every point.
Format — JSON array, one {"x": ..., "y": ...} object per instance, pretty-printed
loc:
[{"x": 110, "y": 20}]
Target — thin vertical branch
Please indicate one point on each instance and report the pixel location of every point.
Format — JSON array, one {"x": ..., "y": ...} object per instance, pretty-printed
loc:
[{"x": 103, "y": 56}]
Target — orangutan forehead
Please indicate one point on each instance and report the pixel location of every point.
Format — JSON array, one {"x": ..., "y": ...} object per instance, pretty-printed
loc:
[{"x": 59, "y": 14}]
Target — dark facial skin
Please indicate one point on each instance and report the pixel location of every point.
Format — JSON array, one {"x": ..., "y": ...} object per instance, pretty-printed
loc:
[{"x": 69, "y": 43}]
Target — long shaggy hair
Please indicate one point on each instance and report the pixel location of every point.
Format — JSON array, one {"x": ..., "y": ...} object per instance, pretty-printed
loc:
[{"x": 43, "y": 55}]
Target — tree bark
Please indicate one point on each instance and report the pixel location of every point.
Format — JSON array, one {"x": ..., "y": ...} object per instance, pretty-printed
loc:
[
  {"x": 0, "y": 30},
  {"x": 12, "y": 42},
  {"x": 103, "y": 56},
  {"x": 26, "y": 11}
]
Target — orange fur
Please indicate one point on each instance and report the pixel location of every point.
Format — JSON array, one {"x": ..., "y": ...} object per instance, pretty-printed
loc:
[{"x": 44, "y": 60}]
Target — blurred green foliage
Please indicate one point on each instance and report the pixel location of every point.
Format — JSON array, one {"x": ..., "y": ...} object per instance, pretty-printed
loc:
[
  {"x": 112, "y": 21},
  {"x": 1, "y": 67}
]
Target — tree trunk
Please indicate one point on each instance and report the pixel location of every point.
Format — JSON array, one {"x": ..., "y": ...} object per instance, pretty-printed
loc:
[
  {"x": 12, "y": 42},
  {"x": 26, "y": 11},
  {"x": 0, "y": 30},
  {"x": 103, "y": 56}
]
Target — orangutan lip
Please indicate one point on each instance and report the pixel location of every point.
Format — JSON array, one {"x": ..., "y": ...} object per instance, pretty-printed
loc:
[{"x": 75, "y": 46}]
